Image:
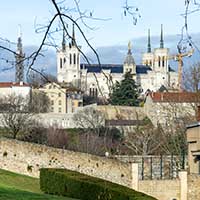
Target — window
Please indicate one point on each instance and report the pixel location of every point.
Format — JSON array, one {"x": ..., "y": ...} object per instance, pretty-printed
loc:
[
  {"x": 74, "y": 58},
  {"x": 59, "y": 109},
  {"x": 64, "y": 60},
  {"x": 59, "y": 102},
  {"x": 163, "y": 61},
  {"x": 60, "y": 63},
  {"x": 70, "y": 58},
  {"x": 52, "y": 102},
  {"x": 77, "y": 59},
  {"x": 59, "y": 94},
  {"x": 159, "y": 61},
  {"x": 52, "y": 109}
]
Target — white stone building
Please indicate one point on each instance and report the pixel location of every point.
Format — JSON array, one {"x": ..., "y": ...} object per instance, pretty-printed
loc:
[
  {"x": 95, "y": 80},
  {"x": 17, "y": 89}
]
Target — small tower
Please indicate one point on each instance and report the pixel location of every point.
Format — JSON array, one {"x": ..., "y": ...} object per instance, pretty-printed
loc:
[
  {"x": 68, "y": 61},
  {"x": 129, "y": 62},
  {"x": 147, "y": 58},
  {"x": 161, "y": 38},
  {"x": 149, "y": 42},
  {"x": 161, "y": 56},
  {"x": 19, "y": 67}
]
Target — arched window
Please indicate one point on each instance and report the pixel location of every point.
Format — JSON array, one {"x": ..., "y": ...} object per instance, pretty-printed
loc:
[
  {"x": 70, "y": 58},
  {"x": 163, "y": 61},
  {"x": 74, "y": 58},
  {"x": 77, "y": 59},
  {"x": 61, "y": 63},
  {"x": 159, "y": 61},
  {"x": 64, "y": 60}
]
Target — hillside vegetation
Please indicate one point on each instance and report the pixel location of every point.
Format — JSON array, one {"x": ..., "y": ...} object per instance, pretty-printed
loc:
[{"x": 18, "y": 187}]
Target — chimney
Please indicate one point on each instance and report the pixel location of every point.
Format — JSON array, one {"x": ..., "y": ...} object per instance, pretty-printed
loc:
[{"x": 198, "y": 113}]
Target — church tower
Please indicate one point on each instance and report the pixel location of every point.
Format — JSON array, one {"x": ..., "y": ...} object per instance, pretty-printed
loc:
[
  {"x": 68, "y": 62},
  {"x": 129, "y": 62},
  {"x": 161, "y": 56},
  {"x": 148, "y": 57},
  {"x": 19, "y": 67}
]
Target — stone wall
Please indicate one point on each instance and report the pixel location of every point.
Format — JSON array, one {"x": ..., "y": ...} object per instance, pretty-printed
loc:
[
  {"x": 194, "y": 187},
  {"x": 161, "y": 189},
  {"x": 27, "y": 158}
]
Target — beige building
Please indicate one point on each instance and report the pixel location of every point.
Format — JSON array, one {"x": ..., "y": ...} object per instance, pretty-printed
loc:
[
  {"x": 62, "y": 99},
  {"x": 167, "y": 107}
]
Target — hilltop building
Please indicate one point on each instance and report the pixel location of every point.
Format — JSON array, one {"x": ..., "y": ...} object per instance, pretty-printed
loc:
[
  {"x": 96, "y": 80},
  {"x": 62, "y": 99}
]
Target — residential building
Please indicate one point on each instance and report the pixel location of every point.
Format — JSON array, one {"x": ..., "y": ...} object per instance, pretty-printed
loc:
[
  {"x": 62, "y": 99},
  {"x": 166, "y": 107},
  {"x": 17, "y": 89}
]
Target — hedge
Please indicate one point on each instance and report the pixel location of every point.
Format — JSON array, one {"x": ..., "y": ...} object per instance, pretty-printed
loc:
[{"x": 76, "y": 185}]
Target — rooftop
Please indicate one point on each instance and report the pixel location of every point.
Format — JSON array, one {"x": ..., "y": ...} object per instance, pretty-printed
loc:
[
  {"x": 114, "y": 68},
  {"x": 178, "y": 97},
  {"x": 13, "y": 84}
]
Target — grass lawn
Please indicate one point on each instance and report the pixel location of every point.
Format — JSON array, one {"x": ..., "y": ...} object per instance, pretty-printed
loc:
[{"x": 18, "y": 187}]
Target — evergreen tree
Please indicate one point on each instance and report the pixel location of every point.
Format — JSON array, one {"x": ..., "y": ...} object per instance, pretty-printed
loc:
[{"x": 125, "y": 92}]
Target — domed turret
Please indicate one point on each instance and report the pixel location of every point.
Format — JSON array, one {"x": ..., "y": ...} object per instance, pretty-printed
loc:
[{"x": 129, "y": 62}]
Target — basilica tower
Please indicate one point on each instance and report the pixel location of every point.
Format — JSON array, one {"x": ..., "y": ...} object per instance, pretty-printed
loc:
[
  {"x": 161, "y": 56},
  {"x": 68, "y": 62},
  {"x": 148, "y": 57}
]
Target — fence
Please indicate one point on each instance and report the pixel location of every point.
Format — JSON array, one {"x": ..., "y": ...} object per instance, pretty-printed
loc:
[{"x": 156, "y": 167}]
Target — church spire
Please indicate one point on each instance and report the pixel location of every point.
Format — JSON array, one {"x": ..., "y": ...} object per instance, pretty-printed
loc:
[
  {"x": 149, "y": 42},
  {"x": 161, "y": 38},
  {"x": 63, "y": 41},
  {"x": 129, "y": 48},
  {"x": 73, "y": 36},
  {"x": 19, "y": 68}
]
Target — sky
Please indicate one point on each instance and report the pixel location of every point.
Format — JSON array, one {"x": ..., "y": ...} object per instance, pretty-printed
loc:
[
  {"x": 117, "y": 30},
  {"x": 111, "y": 35}
]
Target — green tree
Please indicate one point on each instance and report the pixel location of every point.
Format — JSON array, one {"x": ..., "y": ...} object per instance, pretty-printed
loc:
[{"x": 125, "y": 92}]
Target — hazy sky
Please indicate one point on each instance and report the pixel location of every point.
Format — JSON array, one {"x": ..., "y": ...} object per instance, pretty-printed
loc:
[{"x": 118, "y": 30}]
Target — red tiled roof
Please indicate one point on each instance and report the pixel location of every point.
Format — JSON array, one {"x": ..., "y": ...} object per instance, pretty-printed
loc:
[
  {"x": 187, "y": 97},
  {"x": 11, "y": 84}
]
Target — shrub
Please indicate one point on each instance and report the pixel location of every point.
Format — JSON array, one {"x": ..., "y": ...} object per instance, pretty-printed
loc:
[{"x": 77, "y": 185}]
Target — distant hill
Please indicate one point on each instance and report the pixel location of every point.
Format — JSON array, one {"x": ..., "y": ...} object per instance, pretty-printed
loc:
[{"x": 108, "y": 54}]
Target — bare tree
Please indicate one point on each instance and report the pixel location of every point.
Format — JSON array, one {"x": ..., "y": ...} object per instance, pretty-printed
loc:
[
  {"x": 192, "y": 78},
  {"x": 36, "y": 80},
  {"x": 144, "y": 140},
  {"x": 39, "y": 103},
  {"x": 90, "y": 118},
  {"x": 15, "y": 115}
]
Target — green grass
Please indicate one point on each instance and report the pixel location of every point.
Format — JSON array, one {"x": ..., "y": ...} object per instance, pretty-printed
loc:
[{"x": 18, "y": 187}]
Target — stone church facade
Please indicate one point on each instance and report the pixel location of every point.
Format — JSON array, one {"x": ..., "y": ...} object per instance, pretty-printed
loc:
[{"x": 96, "y": 80}]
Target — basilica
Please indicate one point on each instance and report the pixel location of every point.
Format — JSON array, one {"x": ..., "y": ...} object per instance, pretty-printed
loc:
[{"x": 96, "y": 80}]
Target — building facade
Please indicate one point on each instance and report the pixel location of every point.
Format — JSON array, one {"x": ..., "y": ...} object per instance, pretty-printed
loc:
[
  {"x": 97, "y": 80},
  {"x": 62, "y": 99}
]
